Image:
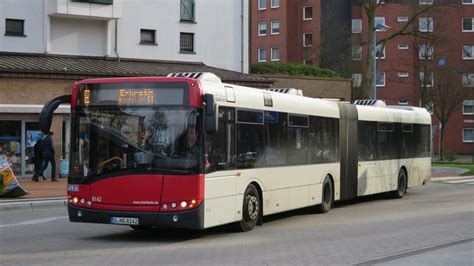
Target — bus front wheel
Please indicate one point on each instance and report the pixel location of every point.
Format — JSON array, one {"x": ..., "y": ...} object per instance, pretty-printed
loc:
[
  {"x": 327, "y": 197},
  {"x": 401, "y": 185},
  {"x": 250, "y": 209}
]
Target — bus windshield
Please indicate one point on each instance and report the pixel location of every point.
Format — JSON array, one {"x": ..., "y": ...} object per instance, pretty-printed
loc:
[{"x": 111, "y": 141}]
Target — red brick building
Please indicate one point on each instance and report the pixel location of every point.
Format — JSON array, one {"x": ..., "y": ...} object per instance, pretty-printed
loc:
[
  {"x": 404, "y": 57},
  {"x": 285, "y": 31}
]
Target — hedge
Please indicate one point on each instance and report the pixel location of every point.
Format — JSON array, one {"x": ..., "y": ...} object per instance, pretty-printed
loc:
[{"x": 292, "y": 70}]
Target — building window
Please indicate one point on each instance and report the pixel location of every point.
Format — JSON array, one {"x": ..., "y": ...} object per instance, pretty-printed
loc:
[
  {"x": 402, "y": 19},
  {"x": 356, "y": 52},
  {"x": 356, "y": 80},
  {"x": 186, "y": 42},
  {"x": 426, "y": 81},
  {"x": 380, "y": 81},
  {"x": 262, "y": 28},
  {"x": 468, "y": 52},
  {"x": 468, "y": 80},
  {"x": 275, "y": 27},
  {"x": 426, "y": 24},
  {"x": 468, "y": 24},
  {"x": 307, "y": 12},
  {"x": 147, "y": 36},
  {"x": 468, "y": 107},
  {"x": 403, "y": 74},
  {"x": 425, "y": 51},
  {"x": 467, "y": 2},
  {"x": 307, "y": 39},
  {"x": 187, "y": 10},
  {"x": 380, "y": 51},
  {"x": 262, "y": 4},
  {"x": 262, "y": 55},
  {"x": 403, "y": 46},
  {"x": 379, "y": 20},
  {"x": 307, "y": 62},
  {"x": 356, "y": 25},
  {"x": 15, "y": 27},
  {"x": 468, "y": 135},
  {"x": 275, "y": 54},
  {"x": 275, "y": 3},
  {"x": 426, "y": 2}
]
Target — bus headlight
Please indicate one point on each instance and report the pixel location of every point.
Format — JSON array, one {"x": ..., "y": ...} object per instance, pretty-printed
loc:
[{"x": 183, "y": 204}]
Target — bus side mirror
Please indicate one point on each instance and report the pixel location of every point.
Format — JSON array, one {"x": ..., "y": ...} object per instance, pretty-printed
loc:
[{"x": 210, "y": 122}]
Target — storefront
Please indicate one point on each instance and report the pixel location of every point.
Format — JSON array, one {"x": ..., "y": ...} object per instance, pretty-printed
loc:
[{"x": 19, "y": 132}]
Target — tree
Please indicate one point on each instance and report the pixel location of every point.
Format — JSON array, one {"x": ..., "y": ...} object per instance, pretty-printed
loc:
[
  {"x": 409, "y": 28},
  {"x": 447, "y": 94}
]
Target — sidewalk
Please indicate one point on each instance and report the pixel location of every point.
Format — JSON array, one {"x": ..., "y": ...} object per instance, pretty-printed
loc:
[{"x": 42, "y": 189}]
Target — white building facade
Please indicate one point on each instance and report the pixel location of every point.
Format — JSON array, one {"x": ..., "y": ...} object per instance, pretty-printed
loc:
[{"x": 214, "y": 32}]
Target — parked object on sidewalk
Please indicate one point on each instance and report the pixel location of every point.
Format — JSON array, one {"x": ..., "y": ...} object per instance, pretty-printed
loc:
[
  {"x": 9, "y": 186},
  {"x": 64, "y": 168}
]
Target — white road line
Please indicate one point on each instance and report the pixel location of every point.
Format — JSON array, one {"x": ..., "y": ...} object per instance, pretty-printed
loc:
[
  {"x": 459, "y": 181},
  {"x": 35, "y": 221}
]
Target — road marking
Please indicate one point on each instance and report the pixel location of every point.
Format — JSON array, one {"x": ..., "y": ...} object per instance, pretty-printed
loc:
[
  {"x": 459, "y": 181},
  {"x": 35, "y": 221},
  {"x": 415, "y": 252}
]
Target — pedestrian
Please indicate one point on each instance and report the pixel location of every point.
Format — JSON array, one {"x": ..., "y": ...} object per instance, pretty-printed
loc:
[
  {"x": 38, "y": 159},
  {"x": 48, "y": 155}
]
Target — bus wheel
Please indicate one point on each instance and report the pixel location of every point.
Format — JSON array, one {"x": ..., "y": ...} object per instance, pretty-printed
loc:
[
  {"x": 250, "y": 209},
  {"x": 402, "y": 185},
  {"x": 327, "y": 198}
]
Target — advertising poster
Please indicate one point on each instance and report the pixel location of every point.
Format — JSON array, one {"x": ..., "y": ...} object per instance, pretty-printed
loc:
[
  {"x": 9, "y": 186},
  {"x": 32, "y": 136}
]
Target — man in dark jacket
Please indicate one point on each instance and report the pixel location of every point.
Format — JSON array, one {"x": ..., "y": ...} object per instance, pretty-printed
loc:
[{"x": 48, "y": 156}]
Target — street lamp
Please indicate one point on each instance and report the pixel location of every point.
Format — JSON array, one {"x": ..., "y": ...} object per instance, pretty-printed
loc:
[{"x": 374, "y": 75}]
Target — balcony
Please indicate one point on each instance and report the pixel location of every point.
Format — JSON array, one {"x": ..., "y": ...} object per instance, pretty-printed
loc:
[{"x": 85, "y": 9}]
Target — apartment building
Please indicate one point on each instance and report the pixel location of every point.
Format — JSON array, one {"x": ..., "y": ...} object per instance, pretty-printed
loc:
[
  {"x": 303, "y": 31},
  {"x": 401, "y": 62}
]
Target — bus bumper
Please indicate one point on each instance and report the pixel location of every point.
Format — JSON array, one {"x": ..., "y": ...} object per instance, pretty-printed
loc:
[{"x": 191, "y": 219}]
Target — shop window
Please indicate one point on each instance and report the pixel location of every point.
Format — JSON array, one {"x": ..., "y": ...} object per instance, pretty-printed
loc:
[{"x": 10, "y": 144}]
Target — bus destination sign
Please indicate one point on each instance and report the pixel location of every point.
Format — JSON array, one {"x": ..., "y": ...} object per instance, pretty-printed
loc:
[
  {"x": 133, "y": 94},
  {"x": 136, "y": 96}
]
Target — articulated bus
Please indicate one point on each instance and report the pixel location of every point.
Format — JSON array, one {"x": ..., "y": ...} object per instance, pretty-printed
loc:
[{"x": 188, "y": 151}]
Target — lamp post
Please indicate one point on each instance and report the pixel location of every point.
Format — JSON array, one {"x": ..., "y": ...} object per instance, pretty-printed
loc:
[{"x": 374, "y": 64}]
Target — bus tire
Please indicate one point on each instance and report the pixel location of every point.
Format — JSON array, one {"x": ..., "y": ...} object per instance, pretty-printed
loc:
[
  {"x": 250, "y": 209},
  {"x": 401, "y": 185},
  {"x": 327, "y": 197}
]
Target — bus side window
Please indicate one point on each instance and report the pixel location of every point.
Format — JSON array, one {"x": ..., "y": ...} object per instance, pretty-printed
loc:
[
  {"x": 221, "y": 146},
  {"x": 367, "y": 134},
  {"x": 276, "y": 139},
  {"x": 298, "y": 140},
  {"x": 250, "y": 139},
  {"x": 323, "y": 139}
]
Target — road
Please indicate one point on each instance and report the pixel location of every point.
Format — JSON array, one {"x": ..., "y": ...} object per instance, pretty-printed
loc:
[{"x": 433, "y": 225}]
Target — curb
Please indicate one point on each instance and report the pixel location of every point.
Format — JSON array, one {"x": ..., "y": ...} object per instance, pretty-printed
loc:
[{"x": 33, "y": 204}]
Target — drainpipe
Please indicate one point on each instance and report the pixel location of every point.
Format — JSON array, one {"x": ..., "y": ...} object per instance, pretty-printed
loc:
[
  {"x": 116, "y": 40},
  {"x": 242, "y": 36}
]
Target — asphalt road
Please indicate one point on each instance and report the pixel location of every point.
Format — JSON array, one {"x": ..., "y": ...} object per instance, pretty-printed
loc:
[{"x": 433, "y": 225}]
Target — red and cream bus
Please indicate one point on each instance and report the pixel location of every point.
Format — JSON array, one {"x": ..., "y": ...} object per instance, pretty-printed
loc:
[{"x": 188, "y": 151}]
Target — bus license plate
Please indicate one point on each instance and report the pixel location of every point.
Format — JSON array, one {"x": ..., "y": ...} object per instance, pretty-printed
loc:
[{"x": 124, "y": 220}]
